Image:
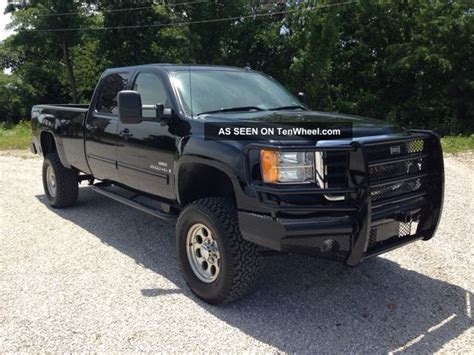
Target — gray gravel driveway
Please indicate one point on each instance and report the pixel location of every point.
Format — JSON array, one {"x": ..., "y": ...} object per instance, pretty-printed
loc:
[{"x": 101, "y": 276}]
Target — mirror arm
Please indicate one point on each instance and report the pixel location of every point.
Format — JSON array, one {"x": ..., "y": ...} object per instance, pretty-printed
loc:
[
  {"x": 167, "y": 116},
  {"x": 163, "y": 114}
]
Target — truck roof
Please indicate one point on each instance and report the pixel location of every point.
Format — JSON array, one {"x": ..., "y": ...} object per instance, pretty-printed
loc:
[{"x": 178, "y": 67}]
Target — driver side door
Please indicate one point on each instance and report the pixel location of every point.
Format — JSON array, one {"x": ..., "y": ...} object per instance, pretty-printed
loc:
[{"x": 145, "y": 151}]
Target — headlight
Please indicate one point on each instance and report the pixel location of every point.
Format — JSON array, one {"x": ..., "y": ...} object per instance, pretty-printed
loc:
[{"x": 287, "y": 167}]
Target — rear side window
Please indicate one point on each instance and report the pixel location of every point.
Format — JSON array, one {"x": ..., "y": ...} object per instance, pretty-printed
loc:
[
  {"x": 152, "y": 91},
  {"x": 109, "y": 89}
]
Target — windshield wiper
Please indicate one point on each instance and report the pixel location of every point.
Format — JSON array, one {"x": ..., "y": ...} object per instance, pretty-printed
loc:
[
  {"x": 288, "y": 108},
  {"x": 233, "y": 109}
]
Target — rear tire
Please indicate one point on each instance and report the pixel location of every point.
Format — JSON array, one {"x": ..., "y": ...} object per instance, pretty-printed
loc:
[
  {"x": 61, "y": 185},
  {"x": 232, "y": 274}
]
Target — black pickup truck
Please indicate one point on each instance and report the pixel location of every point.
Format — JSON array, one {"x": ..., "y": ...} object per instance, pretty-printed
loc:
[{"x": 142, "y": 141}]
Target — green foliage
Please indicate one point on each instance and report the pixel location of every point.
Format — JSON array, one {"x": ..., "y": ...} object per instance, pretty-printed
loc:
[
  {"x": 40, "y": 15},
  {"x": 409, "y": 62},
  {"x": 88, "y": 66},
  {"x": 15, "y": 136},
  {"x": 456, "y": 144}
]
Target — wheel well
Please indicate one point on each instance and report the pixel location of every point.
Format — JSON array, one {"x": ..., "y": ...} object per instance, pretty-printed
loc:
[
  {"x": 197, "y": 181},
  {"x": 48, "y": 144}
]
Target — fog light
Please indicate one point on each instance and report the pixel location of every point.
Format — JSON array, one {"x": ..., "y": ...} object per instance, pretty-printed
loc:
[{"x": 327, "y": 245}]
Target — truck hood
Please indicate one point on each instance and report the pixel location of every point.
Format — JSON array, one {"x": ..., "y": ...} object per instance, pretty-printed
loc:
[{"x": 362, "y": 126}]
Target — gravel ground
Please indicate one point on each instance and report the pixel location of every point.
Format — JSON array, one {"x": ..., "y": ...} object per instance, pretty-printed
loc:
[{"x": 104, "y": 277}]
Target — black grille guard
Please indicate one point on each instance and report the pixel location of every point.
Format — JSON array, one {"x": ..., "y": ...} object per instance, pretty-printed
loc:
[{"x": 358, "y": 201}]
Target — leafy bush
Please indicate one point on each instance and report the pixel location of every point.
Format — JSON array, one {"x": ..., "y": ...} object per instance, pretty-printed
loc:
[{"x": 15, "y": 136}]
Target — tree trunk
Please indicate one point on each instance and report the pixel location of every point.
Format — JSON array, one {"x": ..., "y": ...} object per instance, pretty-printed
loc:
[{"x": 70, "y": 72}]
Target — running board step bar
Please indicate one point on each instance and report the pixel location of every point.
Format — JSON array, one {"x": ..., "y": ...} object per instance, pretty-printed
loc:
[{"x": 129, "y": 201}]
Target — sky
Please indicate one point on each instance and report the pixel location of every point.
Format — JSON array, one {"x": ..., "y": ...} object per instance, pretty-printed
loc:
[{"x": 4, "y": 19}]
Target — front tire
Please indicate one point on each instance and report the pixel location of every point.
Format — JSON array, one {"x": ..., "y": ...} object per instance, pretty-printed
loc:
[
  {"x": 218, "y": 265},
  {"x": 60, "y": 184}
]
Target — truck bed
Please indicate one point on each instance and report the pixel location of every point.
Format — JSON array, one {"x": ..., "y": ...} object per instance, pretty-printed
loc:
[{"x": 66, "y": 123}]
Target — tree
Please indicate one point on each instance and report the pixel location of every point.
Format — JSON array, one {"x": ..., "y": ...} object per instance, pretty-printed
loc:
[
  {"x": 139, "y": 32},
  {"x": 34, "y": 78},
  {"x": 208, "y": 37},
  {"x": 50, "y": 23},
  {"x": 408, "y": 61},
  {"x": 12, "y": 106},
  {"x": 262, "y": 42}
]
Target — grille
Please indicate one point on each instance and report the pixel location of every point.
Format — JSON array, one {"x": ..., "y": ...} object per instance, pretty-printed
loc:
[
  {"x": 397, "y": 189},
  {"x": 413, "y": 164},
  {"x": 404, "y": 230},
  {"x": 383, "y": 151},
  {"x": 373, "y": 237},
  {"x": 336, "y": 169},
  {"x": 390, "y": 170},
  {"x": 399, "y": 169}
]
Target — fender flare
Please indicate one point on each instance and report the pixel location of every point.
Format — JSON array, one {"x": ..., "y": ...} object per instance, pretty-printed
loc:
[
  {"x": 59, "y": 146},
  {"x": 195, "y": 159}
]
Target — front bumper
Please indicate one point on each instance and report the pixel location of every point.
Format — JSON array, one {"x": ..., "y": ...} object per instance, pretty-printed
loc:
[{"x": 371, "y": 220}]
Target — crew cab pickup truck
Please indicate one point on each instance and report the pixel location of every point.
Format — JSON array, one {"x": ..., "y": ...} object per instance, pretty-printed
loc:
[{"x": 142, "y": 141}]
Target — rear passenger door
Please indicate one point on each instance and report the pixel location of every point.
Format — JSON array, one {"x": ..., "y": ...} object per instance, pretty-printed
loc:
[
  {"x": 102, "y": 127},
  {"x": 145, "y": 151}
]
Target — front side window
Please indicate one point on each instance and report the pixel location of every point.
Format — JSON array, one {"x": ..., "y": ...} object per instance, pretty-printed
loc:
[
  {"x": 109, "y": 89},
  {"x": 210, "y": 90},
  {"x": 152, "y": 91}
]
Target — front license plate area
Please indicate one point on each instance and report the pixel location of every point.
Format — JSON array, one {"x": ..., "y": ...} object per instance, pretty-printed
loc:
[{"x": 386, "y": 231}]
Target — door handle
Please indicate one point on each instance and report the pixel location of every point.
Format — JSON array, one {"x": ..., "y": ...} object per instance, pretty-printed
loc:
[
  {"x": 125, "y": 134},
  {"x": 93, "y": 131}
]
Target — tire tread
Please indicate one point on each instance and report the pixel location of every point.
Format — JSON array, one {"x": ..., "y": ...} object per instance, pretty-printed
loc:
[
  {"x": 67, "y": 186},
  {"x": 245, "y": 257}
]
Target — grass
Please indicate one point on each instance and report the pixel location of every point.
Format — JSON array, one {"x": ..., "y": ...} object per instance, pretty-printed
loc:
[
  {"x": 18, "y": 137},
  {"x": 15, "y": 136},
  {"x": 456, "y": 144}
]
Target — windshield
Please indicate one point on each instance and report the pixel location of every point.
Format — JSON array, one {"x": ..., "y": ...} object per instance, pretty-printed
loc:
[{"x": 209, "y": 91}]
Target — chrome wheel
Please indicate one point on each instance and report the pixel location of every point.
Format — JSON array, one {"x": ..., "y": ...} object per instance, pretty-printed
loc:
[
  {"x": 203, "y": 253},
  {"x": 51, "y": 181}
]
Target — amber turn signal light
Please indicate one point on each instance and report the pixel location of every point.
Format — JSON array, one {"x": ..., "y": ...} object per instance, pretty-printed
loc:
[{"x": 269, "y": 165}]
